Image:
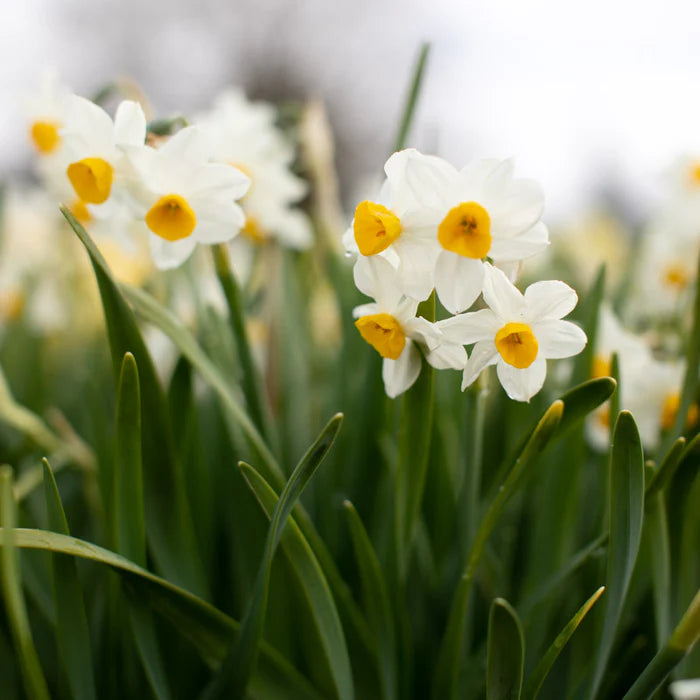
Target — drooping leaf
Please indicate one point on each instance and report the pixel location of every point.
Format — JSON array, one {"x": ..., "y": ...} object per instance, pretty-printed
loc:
[{"x": 168, "y": 521}]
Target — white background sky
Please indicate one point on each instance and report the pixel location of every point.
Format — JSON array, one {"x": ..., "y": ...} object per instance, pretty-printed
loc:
[{"x": 586, "y": 95}]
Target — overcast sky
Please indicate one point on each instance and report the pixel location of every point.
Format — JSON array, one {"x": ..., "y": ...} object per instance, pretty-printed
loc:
[{"x": 586, "y": 95}]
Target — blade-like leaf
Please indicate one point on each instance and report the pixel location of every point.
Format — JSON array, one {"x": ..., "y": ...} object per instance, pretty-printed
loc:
[
  {"x": 412, "y": 98},
  {"x": 626, "y": 515},
  {"x": 506, "y": 653},
  {"x": 680, "y": 643},
  {"x": 665, "y": 471},
  {"x": 449, "y": 660},
  {"x": 72, "y": 632},
  {"x": 149, "y": 309},
  {"x": 315, "y": 587},
  {"x": 207, "y": 628},
  {"x": 238, "y": 667},
  {"x": 168, "y": 521},
  {"x": 376, "y": 602},
  {"x": 129, "y": 527},
  {"x": 32, "y": 675},
  {"x": 538, "y": 676}
]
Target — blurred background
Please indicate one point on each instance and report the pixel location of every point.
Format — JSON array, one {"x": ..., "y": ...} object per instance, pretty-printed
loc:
[{"x": 593, "y": 99}]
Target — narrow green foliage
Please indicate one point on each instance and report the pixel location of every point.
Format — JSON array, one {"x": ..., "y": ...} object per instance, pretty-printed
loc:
[
  {"x": 583, "y": 399},
  {"x": 239, "y": 666},
  {"x": 72, "y": 632},
  {"x": 544, "y": 666},
  {"x": 614, "y": 407},
  {"x": 590, "y": 308},
  {"x": 314, "y": 584},
  {"x": 32, "y": 675},
  {"x": 656, "y": 526},
  {"x": 412, "y": 99},
  {"x": 449, "y": 661},
  {"x": 506, "y": 653},
  {"x": 129, "y": 526},
  {"x": 149, "y": 309},
  {"x": 664, "y": 472},
  {"x": 678, "y": 646},
  {"x": 376, "y": 602},
  {"x": 252, "y": 386},
  {"x": 626, "y": 515},
  {"x": 207, "y": 628},
  {"x": 168, "y": 521}
]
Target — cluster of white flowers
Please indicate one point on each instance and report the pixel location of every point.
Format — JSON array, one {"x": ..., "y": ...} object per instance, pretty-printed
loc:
[
  {"x": 228, "y": 173},
  {"x": 649, "y": 387},
  {"x": 463, "y": 234}
]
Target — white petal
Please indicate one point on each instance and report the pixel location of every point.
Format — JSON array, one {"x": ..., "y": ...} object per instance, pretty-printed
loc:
[
  {"x": 423, "y": 331},
  {"x": 471, "y": 327},
  {"x": 130, "y": 124},
  {"x": 522, "y": 384},
  {"x": 549, "y": 300},
  {"x": 87, "y": 119},
  {"x": 416, "y": 267},
  {"x": 376, "y": 277},
  {"x": 458, "y": 281},
  {"x": 478, "y": 171},
  {"x": 447, "y": 356},
  {"x": 365, "y": 310},
  {"x": 501, "y": 295},
  {"x": 532, "y": 242},
  {"x": 295, "y": 230},
  {"x": 169, "y": 254},
  {"x": 399, "y": 375},
  {"x": 483, "y": 355},
  {"x": 349, "y": 242},
  {"x": 189, "y": 144},
  {"x": 516, "y": 209},
  {"x": 557, "y": 339},
  {"x": 219, "y": 180}
]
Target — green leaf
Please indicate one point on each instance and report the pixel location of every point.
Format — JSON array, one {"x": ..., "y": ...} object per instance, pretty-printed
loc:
[
  {"x": 252, "y": 386},
  {"x": 238, "y": 667},
  {"x": 665, "y": 471},
  {"x": 32, "y": 675},
  {"x": 590, "y": 311},
  {"x": 506, "y": 653},
  {"x": 449, "y": 660},
  {"x": 149, "y": 309},
  {"x": 72, "y": 632},
  {"x": 656, "y": 524},
  {"x": 129, "y": 526},
  {"x": 680, "y": 643},
  {"x": 169, "y": 525},
  {"x": 626, "y": 516},
  {"x": 538, "y": 676},
  {"x": 412, "y": 98},
  {"x": 314, "y": 585},
  {"x": 207, "y": 628},
  {"x": 376, "y": 602}
]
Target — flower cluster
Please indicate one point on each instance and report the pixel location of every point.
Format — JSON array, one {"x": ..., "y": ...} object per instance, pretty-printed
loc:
[
  {"x": 228, "y": 173},
  {"x": 461, "y": 233}
]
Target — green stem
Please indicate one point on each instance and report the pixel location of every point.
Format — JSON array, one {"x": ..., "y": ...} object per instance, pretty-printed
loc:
[
  {"x": 252, "y": 386},
  {"x": 412, "y": 99}
]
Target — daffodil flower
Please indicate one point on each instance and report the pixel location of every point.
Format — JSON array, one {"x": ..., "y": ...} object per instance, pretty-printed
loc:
[
  {"x": 46, "y": 111},
  {"x": 244, "y": 134},
  {"x": 94, "y": 146},
  {"x": 391, "y": 327},
  {"x": 518, "y": 332},
  {"x": 184, "y": 199},
  {"x": 398, "y": 225},
  {"x": 484, "y": 213}
]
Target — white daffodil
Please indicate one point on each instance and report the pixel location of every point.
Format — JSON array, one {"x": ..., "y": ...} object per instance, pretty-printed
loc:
[
  {"x": 484, "y": 213},
  {"x": 46, "y": 112},
  {"x": 94, "y": 148},
  {"x": 518, "y": 332},
  {"x": 399, "y": 226},
  {"x": 244, "y": 134},
  {"x": 633, "y": 356},
  {"x": 185, "y": 199},
  {"x": 391, "y": 327},
  {"x": 653, "y": 397}
]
